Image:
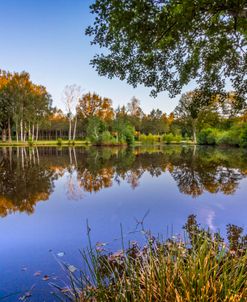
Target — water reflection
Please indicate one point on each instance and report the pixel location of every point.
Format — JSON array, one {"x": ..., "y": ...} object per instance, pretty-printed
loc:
[{"x": 28, "y": 176}]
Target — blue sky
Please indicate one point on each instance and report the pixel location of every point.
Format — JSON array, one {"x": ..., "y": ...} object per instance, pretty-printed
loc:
[{"x": 46, "y": 38}]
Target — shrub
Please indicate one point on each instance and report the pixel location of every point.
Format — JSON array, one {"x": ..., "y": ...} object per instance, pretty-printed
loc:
[
  {"x": 177, "y": 138},
  {"x": 149, "y": 139},
  {"x": 107, "y": 139},
  {"x": 243, "y": 137},
  {"x": 231, "y": 137},
  {"x": 129, "y": 135},
  {"x": 143, "y": 138},
  {"x": 208, "y": 136},
  {"x": 59, "y": 142},
  {"x": 30, "y": 142},
  {"x": 168, "y": 138}
]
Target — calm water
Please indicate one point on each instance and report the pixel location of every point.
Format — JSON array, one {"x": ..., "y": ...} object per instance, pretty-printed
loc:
[{"x": 48, "y": 194}]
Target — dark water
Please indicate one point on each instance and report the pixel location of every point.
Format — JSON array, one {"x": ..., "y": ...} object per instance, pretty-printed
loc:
[{"x": 48, "y": 194}]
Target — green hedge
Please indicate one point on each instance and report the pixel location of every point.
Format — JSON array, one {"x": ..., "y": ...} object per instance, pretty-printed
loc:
[{"x": 236, "y": 136}]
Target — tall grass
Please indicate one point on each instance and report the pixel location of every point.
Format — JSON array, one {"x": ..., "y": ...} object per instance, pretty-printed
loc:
[{"x": 201, "y": 267}]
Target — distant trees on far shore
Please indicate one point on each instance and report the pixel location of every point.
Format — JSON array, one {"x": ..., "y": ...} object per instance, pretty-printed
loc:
[{"x": 27, "y": 114}]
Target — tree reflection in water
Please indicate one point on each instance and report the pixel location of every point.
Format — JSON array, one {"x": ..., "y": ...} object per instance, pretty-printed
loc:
[{"x": 27, "y": 175}]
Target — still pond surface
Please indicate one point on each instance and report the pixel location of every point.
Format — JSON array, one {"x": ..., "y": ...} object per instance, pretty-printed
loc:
[{"x": 47, "y": 195}]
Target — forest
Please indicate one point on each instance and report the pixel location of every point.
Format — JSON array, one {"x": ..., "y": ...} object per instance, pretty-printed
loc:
[{"x": 28, "y": 116}]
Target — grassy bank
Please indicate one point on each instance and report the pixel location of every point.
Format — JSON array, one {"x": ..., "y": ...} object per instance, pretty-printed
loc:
[
  {"x": 86, "y": 142},
  {"x": 202, "y": 267},
  {"x": 44, "y": 143}
]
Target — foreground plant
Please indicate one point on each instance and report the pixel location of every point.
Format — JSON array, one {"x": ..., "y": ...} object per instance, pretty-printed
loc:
[{"x": 201, "y": 268}]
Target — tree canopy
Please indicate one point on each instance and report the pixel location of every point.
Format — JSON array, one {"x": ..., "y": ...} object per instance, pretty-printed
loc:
[
  {"x": 164, "y": 44},
  {"x": 195, "y": 104},
  {"x": 23, "y": 104},
  {"x": 91, "y": 104}
]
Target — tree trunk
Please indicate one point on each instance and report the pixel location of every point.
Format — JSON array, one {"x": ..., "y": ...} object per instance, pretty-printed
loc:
[
  {"x": 74, "y": 134},
  {"x": 21, "y": 126},
  {"x": 29, "y": 131},
  {"x": 37, "y": 132},
  {"x": 24, "y": 132},
  {"x": 4, "y": 135},
  {"x": 33, "y": 133},
  {"x": 9, "y": 130},
  {"x": 16, "y": 132}
]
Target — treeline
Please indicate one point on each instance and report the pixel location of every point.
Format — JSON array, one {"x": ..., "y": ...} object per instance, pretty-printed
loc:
[
  {"x": 25, "y": 106},
  {"x": 200, "y": 117}
]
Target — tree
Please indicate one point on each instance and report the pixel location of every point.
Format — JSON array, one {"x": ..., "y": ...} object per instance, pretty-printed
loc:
[
  {"x": 121, "y": 113},
  {"x": 21, "y": 94},
  {"x": 124, "y": 131},
  {"x": 72, "y": 94},
  {"x": 134, "y": 108},
  {"x": 23, "y": 105},
  {"x": 94, "y": 129},
  {"x": 156, "y": 122},
  {"x": 135, "y": 113},
  {"x": 231, "y": 104},
  {"x": 93, "y": 105},
  {"x": 5, "y": 103},
  {"x": 42, "y": 107},
  {"x": 166, "y": 43},
  {"x": 191, "y": 104}
]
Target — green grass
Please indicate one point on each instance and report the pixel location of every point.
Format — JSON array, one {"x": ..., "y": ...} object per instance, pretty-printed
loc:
[
  {"x": 78, "y": 143},
  {"x": 44, "y": 143},
  {"x": 201, "y": 267}
]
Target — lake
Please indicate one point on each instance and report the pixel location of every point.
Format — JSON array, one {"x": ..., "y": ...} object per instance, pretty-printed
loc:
[{"x": 48, "y": 196}]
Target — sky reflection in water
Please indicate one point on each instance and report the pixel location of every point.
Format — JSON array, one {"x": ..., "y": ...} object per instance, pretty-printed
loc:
[{"x": 48, "y": 194}]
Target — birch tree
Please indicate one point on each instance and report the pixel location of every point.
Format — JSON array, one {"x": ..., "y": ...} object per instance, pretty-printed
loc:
[{"x": 71, "y": 96}]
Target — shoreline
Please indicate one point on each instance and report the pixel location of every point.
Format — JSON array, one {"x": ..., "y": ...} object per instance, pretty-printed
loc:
[{"x": 85, "y": 143}]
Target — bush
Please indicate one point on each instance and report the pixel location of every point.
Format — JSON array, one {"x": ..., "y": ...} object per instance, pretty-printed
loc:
[
  {"x": 59, "y": 142},
  {"x": 168, "y": 138},
  {"x": 30, "y": 142},
  {"x": 149, "y": 139},
  {"x": 107, "y": 139},
  {"x": 129, "y": 135},
  {"x": 231, "y": 137},
  {"x": 143, "y": 138},
  {"x": 243, "y": 137},
  {"x": 208, "y": 136},
  {"x": 186, "y": 137},
  {"x": 177, "y": 138}
]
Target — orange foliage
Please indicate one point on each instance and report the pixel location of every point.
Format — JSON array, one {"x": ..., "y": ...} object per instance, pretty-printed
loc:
[{"x": 91, "y": 104}]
